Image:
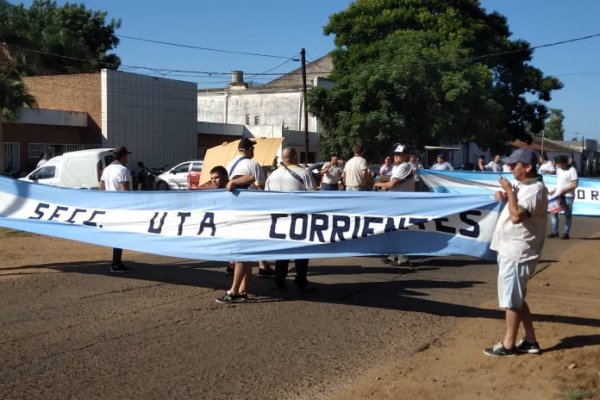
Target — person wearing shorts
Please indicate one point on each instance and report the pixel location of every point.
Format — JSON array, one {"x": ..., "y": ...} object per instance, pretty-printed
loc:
[{"x": 518, "y": 239}]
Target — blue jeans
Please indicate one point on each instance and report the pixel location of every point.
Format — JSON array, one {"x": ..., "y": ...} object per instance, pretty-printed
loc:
[
  {"x": 329, "y": 186},
  {"x": 568, "y": 212}
]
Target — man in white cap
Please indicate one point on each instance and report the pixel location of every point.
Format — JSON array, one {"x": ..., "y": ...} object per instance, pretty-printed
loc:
[
  {"x": 401, "y": 180},
  {"x": 518, "y": 238}
]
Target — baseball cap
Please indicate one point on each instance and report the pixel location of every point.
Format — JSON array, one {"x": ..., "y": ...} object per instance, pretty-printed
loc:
[
  {"x": 400, "y": 148},
  {"x": 120, "y": 151},
  {"x": 522, "y": 155},
  {"x": 246, "y": 144}
]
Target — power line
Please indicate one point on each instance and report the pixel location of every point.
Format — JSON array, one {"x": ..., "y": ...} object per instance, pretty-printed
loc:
[
  {"x": 268, "y": 73},
  {"x": 187, "y": 46}
]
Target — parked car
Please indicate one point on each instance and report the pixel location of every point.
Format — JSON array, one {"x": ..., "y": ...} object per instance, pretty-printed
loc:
[
  {"x": 75, "y": 169},
  {"x": 176, "y": 177}
]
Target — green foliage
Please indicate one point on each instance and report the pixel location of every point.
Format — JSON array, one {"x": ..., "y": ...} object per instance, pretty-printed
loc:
[
  {"x": 412, "y": 71},
  {"x": 578, "y": 394},
  {"x": 13, "y": 94},
  {"x": 47, "y": 39},
  {"x": 554, "y": 125}
]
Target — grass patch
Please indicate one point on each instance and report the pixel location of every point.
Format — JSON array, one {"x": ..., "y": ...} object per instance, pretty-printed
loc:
[
  {"x": 4, "y": 233},
  {"x": 578, "y": 394}
]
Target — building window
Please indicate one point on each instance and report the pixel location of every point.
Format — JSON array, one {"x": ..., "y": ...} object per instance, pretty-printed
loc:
[
  {"x": 247, "y": 119},
  {"x": 35, "y": 150}
]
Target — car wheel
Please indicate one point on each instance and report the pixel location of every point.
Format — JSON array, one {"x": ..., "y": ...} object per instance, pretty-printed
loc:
[{"x": 162, "y": 185}]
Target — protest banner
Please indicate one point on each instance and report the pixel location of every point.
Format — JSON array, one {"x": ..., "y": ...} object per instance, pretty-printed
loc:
[
  {"x": 255, "y": 225},
  {"x": 587, "y": 194}
]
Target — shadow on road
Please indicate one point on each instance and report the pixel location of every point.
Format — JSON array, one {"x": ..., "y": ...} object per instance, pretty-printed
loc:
[{"x": 396, "y": 288}]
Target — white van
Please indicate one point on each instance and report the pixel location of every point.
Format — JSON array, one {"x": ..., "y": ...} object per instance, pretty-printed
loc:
[{"x": 74, "y": 169}]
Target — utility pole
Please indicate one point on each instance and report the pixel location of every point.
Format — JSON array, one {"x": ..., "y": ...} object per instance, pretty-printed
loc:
[{"x": 304, "y": 91}]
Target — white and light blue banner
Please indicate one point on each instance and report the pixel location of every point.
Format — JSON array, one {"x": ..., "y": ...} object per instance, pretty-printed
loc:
[
  {"x": 587, "y": 194},
  {"x": 256, "y": 225}
]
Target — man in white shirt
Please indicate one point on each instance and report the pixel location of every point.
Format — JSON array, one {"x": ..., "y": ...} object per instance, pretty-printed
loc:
[
  {"x": 495, "y": 165},
  {"x": 356, "y": 172},
  {"x": 442, "y": 164},
  {"x": 403, "y": 177},
  {"x": 519, "y": 238},
  {"x": 244, "y": 173},
  {"x": 116, "y": 177},
  {"x": 566, "y": 183},
  {"x": 290, "y": 177},
  {"x": 332, "y": 173},
  {"x": 401, "y": 180},
  {"x": 546, "y": 166}
]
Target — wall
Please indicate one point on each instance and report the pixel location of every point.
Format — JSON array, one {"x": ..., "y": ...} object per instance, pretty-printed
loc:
[
  {"x": 272, "y": 107},
  {"x": 154, "y": 118}
]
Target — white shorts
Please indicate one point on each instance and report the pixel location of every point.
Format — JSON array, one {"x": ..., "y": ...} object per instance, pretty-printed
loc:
[{"x": 512, "y": 281}]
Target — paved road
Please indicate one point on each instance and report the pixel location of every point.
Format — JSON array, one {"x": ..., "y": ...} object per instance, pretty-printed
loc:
[{"x": 157, "y": 332}]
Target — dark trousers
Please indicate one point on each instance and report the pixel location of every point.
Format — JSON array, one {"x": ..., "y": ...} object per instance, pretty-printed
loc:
[
  {"x": 281, "y": 272},
  {"x": 117, "y": 254},
  {"x": 329, "y": 186}
]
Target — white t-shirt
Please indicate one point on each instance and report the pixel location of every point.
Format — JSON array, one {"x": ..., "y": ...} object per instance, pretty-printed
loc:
[
  {"x": 494, "y": 166},
  {"x": 565, "y": 178},
  {"x": 546, "y": 168},
  {"x": 523, "y": 241},
  {"x": 355, "y": 170},
  {"x": 290, "y": 179},
  {"x": 332, "y": 176},
  {"x": 442, "y": 166},
  {"x": 246, "y": 166},
  {"x": 404, "y": 173},
  {"x": 114, "y": 174}
]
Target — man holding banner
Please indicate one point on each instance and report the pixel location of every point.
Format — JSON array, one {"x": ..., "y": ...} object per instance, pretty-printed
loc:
[
  {"x": 518, "y": 238},
  {"x": 290, "y": 178},
  {"x": 244, "y": 173},
  {"x": 117, "y": 178}
]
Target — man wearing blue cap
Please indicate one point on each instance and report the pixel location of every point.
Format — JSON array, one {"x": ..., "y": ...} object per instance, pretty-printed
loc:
[{"x": 518, "y": 238}]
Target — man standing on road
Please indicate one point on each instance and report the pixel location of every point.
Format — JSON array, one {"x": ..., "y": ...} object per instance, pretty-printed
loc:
[
  {"x": 566, "y": 183},
  {"x": 244, "y": 173},
  {"x": 401, "y": 180},
  {"x": 356, "y": 172},
  {"x": 116, "y": 177},
  {"x": 518, "y": 238},
  {"x": 332, "y": 173},
  {"x": 290, "y": 178}
]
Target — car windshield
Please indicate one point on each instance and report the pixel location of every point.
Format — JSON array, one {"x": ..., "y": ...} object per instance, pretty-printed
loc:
[{"x": 46, "y": 172}]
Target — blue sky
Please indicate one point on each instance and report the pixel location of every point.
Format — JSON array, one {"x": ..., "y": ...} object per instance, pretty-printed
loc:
[{"x": 280, "y": 28}]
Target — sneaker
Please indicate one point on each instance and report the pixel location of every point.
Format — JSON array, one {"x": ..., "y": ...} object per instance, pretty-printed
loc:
[
  {"x": 528, "y": 347},
  {"x": 499, "y": 350},
  {"x": 117, "y": 268},
  {"x": 231, "y": 298},
  {"x": 565, "y": 236},
  {"x": 552, "y": 235},
  {"x": 266, "y": 272}
]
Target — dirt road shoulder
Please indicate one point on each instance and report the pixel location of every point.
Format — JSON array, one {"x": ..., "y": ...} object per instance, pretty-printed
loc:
[{"x": 565, "y": 300}]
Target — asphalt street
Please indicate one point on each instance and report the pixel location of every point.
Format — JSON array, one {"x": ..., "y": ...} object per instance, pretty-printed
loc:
[{"x": 157, "y": 332}]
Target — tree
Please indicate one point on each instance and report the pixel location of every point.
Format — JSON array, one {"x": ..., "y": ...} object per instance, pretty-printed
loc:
[
  {"x": 554, "y": 125},
  {"x": 47, "y": 39},
  {"x": 427, "y": 72},
  {"x": 13, "y": 94}
]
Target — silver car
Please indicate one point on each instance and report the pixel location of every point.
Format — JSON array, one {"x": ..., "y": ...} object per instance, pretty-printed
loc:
[{"x": 176, "y": 177}]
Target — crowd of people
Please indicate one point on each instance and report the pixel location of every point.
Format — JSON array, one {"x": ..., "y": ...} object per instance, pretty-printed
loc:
[{"x": 518, "y": 237}]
